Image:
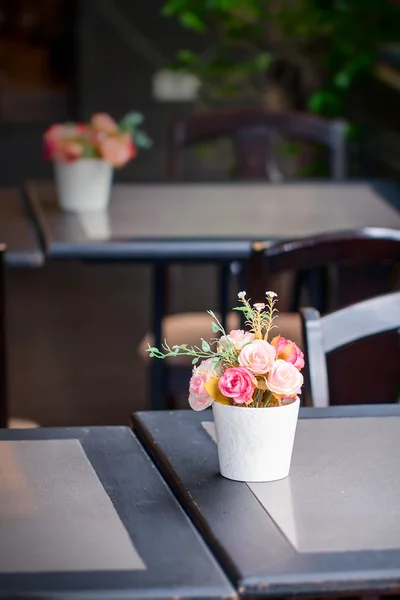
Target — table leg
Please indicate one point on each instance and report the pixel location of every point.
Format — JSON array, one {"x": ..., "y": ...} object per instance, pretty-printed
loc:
[{"x": 157, "y": 373}]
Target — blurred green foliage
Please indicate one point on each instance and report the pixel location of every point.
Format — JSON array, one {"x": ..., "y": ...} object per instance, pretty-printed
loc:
[{"x": 315, "y": 50}]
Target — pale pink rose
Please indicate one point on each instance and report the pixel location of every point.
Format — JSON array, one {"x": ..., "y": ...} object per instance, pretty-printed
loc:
[
  {"x": 258, "y": 356},
  {"x": 117, "y": 150},
  {"x": 289, "y": 351},
  {"x": 200, "y": 402},
  {"x": 103, "y": 122},
  {"x": 284, "y": 379},
  {"x": 198, "y": 395},
  {"x": 237, "y": 383},
  {"x": 238, "y": 338}
]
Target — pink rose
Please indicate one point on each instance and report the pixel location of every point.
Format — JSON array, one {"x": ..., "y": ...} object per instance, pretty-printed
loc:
[
  {"x": 238, "y": 338},
  {"x": 237, "y": 383},
  {"x": 63, "y": 150},
  {"x": 65, "y": 143},
  {"x": 289, "y": 351},
  {"x": 103, "y": 122},
  {"x": 118, "y": 149},
  {"x": 198, "y": 395},
  {"x": 284, "y": 379},
  {"x": 258, "y": 356}
]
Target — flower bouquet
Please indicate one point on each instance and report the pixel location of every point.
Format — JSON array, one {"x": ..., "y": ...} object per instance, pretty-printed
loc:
[
  {"x": 252, "y": 385},
  {"x": 84, "y": 155}
]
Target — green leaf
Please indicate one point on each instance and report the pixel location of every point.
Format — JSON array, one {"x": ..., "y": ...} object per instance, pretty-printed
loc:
[
  {"x": 191, "y": 20},
  {"x": 89, "y": 152},
  {"x": 173, "y": 7},
  {"x": 214, "y": 327},
  {"x": 241, "y": 308},
  {"x": 187, "y": 57},
  {"x": 262, "y": 61},
  {"x": 342, "y": 80},
  {"x": 130, "y": 121},
  {"x": 142, "y": 140},
  {"x": 195, "y": 360},
  {"x": 325, "y": 102},
  {"x": 214, "y": 362},
  {"x": 205, "y": 346}
]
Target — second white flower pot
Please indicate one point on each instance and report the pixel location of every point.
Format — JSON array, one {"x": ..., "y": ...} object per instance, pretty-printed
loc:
[
  {"x": 255, "y": 444},
  {"x": 83, "y": 185}
]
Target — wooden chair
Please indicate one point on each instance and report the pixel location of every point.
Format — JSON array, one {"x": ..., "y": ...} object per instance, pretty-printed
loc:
[
  {"x": 5, "y": 421},
  {"x": 254, "y": 133},
  {"x": 324, "y": 335},
  {"x": 339, "y": 268},
  {"x": 356, "y": 253}
]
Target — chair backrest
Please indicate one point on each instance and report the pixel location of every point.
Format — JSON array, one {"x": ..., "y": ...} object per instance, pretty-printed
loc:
[
  {"x": 350, "y": 250},
  {"x": 339, "y": 268},
  {"x": 3, "y": 362},
  {"x": 253, "y": 133},
  {"x": 325, "y": 334}
]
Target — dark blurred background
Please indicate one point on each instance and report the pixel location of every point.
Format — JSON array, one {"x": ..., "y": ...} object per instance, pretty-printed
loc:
[
  {"x": 74, "y": 330},
  {"x": 65, "y": 59}
]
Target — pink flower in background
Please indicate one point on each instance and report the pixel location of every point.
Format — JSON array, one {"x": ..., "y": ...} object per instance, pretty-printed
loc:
[
  {"x": 284, "y": 379},
  {"x": 198, "y": 395},
  {"x": 289, "y": 351},
  {"x": 65, "y": 142},
  {"x": 101, "y": 138},
  {"x": 258, "y": 356},
  {"x": 62, "y": 150},
  {"x": 238, "y": 338},
  {"x": 104, "y": 123},
  {"x": 237, "y": 383},
  {"x": 117, "y": 149}
]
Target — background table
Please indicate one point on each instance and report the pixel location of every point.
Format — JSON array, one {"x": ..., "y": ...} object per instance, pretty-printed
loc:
[
  {"x": 332, "y": 526},
  {"x": 17, "y": 231},
  {"x": 85, "y": 514},
  {"x": 214, "y": 221},
  {"x": 162, "y": 223}
]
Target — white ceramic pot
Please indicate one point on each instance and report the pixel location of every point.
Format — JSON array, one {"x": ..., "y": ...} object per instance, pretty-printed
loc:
[
  {"x": 83, "y": 185},
  {"x": 255, "y": 444}
]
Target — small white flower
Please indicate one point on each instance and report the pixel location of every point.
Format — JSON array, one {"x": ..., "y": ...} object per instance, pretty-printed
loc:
[
  {"x": 271, "y": 294},
  {"x": 259, "y": 306},
  {"x": 241, "y": 295}
]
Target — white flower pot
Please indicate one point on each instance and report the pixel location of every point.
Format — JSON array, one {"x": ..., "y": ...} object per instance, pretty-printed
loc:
[
  {"x": 83, "y": 185},
  {"x": 255, "y": 444}
]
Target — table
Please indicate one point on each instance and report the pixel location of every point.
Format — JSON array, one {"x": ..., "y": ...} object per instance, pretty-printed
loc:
[
  {"x": 17, "y": 231},
  {"x": 162, "y": 223},
  {"x": 332, "y": 526},
  {"x": 85, "y": 514}
]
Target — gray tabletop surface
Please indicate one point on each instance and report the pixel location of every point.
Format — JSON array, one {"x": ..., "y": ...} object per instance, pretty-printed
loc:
[
  {"x": 17, "y": 231},
  {"x": 146, "y": 221},
  {"x": 332, "y": 525},
  {"x": 85, "y": 514}
]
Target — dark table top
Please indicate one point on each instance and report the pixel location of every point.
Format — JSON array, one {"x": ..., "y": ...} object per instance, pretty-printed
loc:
[
  {"x": 332, "y": 526},
  {"x": 208, "y": 221},
  {"x": 17, "y": 231},
  {"x": 85, "y": 514}
]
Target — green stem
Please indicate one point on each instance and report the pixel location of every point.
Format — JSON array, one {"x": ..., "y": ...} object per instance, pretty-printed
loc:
[{"x": 267, "y": 399}]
